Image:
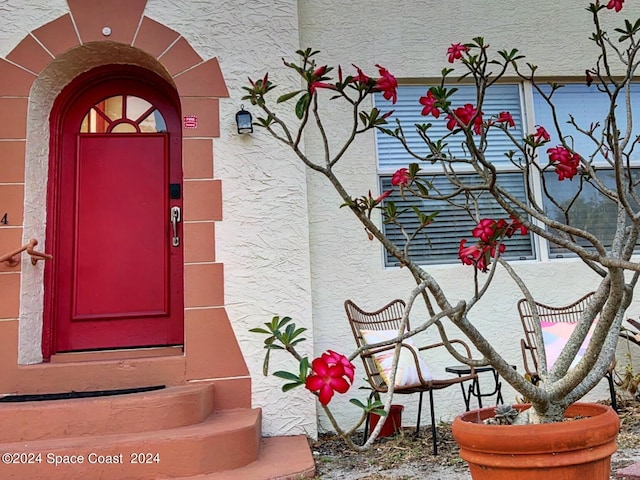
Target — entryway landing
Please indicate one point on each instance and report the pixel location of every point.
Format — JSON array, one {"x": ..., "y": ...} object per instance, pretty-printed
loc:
[{"x": 174, "y": 432}]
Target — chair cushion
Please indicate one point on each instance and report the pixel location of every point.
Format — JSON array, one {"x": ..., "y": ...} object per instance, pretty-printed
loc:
[
  {"x": 556, "y": 335},
  {"x": 406, "y": 373}
]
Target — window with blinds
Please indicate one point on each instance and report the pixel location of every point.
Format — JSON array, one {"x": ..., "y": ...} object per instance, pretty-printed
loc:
[
  {"x": 591, "y": 211},
  {"x": 440, "y": 241}
]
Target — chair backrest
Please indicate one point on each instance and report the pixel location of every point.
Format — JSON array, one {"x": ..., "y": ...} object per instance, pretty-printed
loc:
[
  {"x": 546, "y": 313},
  {"x": 388, "y": 317}
]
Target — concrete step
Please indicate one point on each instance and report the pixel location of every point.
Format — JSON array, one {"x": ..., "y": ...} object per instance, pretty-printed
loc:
[
  {"x": 280, "y": 458},
  {"x": 226, "y": 440},
  {"x": 172, "y": 433},
  {"x": 130, "y": 413}
]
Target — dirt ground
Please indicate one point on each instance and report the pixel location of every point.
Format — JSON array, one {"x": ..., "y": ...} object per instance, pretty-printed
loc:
[{"x": 404, "y": 457}]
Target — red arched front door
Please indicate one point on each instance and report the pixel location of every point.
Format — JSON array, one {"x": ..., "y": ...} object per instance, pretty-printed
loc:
[{"x": 114, "y": 216}]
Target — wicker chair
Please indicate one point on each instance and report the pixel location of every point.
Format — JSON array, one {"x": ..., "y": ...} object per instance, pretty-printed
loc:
[
  {"x": 389, "y": 318},
  {"x": 570, "y": 314}
]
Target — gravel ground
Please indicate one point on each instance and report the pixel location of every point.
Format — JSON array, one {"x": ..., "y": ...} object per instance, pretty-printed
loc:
[{"x": 406, "y": 457}]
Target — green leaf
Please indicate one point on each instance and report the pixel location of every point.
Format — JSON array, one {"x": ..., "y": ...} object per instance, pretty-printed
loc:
[
  {"x": 304, "y": 368},
  {"x": 358, "y": 403},
  {"x": 265, "y": 364},
  {"x": 288, "y": 96},
  {"x": 290, "y": 386},
  {"x": 286, "y": 376},
  {"x": 260, "y": 330},
  {"x": 301, "y": 106},
  {"x": 424, "y": 191}
]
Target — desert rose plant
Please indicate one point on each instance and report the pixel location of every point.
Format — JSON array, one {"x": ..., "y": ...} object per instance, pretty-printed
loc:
[{"x": 472, "y": 175}]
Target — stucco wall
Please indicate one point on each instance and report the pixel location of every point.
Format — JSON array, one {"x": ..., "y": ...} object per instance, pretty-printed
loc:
[
  {"x": 263, "y": 237},
  {"x": 410, "y": 38},
  {"x": 287, "y": 248}
]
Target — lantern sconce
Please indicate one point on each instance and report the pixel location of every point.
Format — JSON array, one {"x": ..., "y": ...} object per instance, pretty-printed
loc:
[{"x": 244, "y": 121}]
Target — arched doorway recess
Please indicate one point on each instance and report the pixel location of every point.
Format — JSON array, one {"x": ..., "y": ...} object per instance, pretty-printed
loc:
[{"x": 114, "y": 207}]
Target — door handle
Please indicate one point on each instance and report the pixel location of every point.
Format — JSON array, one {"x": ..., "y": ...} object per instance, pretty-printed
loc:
[{"x": 175, "y": 218}]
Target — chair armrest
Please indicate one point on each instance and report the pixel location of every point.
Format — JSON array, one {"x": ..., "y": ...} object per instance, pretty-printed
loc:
[
  {"x": 456, "y": 341},
  {"x": 634, "y": 323},
  {"x": 527, "y": 352}
]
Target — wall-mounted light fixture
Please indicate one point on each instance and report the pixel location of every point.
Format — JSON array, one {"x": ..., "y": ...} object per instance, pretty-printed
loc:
[{"x": 244, "y": 121}]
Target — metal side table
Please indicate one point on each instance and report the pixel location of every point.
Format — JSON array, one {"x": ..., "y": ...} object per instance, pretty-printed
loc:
[{"x": 473, "y": 390}]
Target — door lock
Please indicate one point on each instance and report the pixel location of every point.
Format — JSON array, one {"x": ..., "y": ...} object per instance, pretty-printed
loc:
[{"x": 175, "y": 218}]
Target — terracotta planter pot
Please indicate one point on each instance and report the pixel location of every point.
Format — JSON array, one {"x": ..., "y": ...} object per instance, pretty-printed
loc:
[
  {"x": 392, "y": 422},
  {"x": 572, "y": 450}
]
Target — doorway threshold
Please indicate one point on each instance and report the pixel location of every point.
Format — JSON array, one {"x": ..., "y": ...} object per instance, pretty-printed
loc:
[
  {"x": 69, "y": 395},
  {"x": 117, "y": 354}
]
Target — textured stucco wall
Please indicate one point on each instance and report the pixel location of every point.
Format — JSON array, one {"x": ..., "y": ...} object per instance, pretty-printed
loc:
[
  {"x": 263, "y": 239},
  {"x": 410, "y": 38},
  {"x": 282, "y": 224}
]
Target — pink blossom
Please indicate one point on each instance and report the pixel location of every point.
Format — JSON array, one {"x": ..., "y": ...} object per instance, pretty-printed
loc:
[
  {"x": 429, "y": 105},
  {"x": 360, "y": 77},
  {"x": 455, "y": 51},
  {"x": 400, "y": 177},
  {"x": 387, "y": 84},
  {"x": 335, "y": 358},
  {"x": 566, "y": 162},
  {"x": 382, "y": 196},
  {"x": 473, "y": 255},
  {"x": 485, "y": 230},
  {"x": 615, "y": 4},
  {"x": 465, "y": 114},
  {"x": 326, "y": 379},
  {"x": 541, "y": 135},
  {"x": 505, "y": 117}
]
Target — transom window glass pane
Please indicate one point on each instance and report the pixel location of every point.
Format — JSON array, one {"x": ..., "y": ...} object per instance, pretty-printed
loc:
[{"x": 123, "y": 114}]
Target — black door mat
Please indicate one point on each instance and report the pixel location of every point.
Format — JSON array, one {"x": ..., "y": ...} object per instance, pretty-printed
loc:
[{"x": 67, "y": 395}]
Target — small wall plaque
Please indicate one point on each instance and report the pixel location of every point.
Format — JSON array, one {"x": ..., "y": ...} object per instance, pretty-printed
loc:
[{"x": 190, "y": 121}]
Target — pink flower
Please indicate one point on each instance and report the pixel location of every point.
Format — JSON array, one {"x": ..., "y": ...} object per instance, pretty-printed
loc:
[
  {"x": 514, "y": 226},
  {"x": 473, "y": 255},
  {"x": 617, "y": 4},
  {"x": 429, "y": 105},
  {"x": 505, "y": 117},
  {"x": 382, "y": 196},
  {"x": 400, "y": 177},
  {"x": 335, "y": 358},
  {"x": 314, "y": 85},
  {"x": 465, "y": 114},
  {"x": 455, "y": 51},
  {"x": 490, "y": 233},
  {"x": 541, "y": 135},
  {"x": 326, "y": 379},
  {"x": 316, "y": 77},
  {"x": 387, "y": 84},
  {"x": 361, "y": 77},
  {"x": 485, "y": 230},
  {"x": 565, "y": 162}
]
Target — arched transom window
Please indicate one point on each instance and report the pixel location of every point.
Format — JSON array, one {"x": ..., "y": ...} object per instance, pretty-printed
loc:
[{"x": 123, "y": 114}]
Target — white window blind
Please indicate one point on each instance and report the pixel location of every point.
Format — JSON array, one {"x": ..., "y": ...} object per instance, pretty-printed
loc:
[
  {"x": 499, "y": 98},
  {"x": 440, "y": 241}
]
